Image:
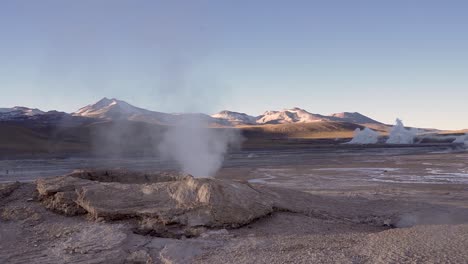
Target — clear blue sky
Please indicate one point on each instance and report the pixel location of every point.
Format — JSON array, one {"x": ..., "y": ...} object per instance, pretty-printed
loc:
[{"x": 385, "y": 59}]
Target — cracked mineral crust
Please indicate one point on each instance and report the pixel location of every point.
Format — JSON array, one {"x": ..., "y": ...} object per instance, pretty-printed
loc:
[{"x": 158, "y": 198}]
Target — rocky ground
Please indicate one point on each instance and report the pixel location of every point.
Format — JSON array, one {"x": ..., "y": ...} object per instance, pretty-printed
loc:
[{"x": 377, "y": 224}]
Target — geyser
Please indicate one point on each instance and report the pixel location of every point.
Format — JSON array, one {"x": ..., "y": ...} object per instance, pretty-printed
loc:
[
  {"x": 365, "y": 136},
  {"x": 198, "y": 149},
  {"x": 400, "y": 135},
  {"x": 170, "y": 204}
]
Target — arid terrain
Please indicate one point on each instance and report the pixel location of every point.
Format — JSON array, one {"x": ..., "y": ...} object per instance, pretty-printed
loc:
[
  {"x": 219, "y": 132},
  {"x": 328, "y": 204}
]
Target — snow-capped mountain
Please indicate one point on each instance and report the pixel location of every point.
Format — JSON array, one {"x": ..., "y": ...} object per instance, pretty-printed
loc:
[
  {"x": 294, "y": 115},
  {"x": 235, "y": 118},
  {"x": 114, "y": 109},
  {"x": 21, "y": 110},
  {"x": 33, "y": 116},
  {"x": 353, "y": 118},
  {"x": 18, "y": 112},
  {"x": 110, "y": 108}
]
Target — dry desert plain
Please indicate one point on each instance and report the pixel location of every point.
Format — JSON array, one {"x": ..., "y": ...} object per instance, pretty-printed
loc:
[{"x": 313, "y": 204}]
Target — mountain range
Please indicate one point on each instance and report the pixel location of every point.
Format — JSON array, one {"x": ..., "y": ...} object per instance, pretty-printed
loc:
[{"x": 114, "y": 110}]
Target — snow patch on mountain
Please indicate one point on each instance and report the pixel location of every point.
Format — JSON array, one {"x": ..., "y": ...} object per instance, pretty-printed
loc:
[
  {"x": 235, "y": 118},
  {"x": 107, "y": 108},
  {"x": 22, "y": 110},
  {"x": 18, "y": 112},
  {"x": 294, "y": 115}
]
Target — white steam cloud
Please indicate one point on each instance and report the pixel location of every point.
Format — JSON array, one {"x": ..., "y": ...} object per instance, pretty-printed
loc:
[
  {"x": 400, "y": 135},
  {"x": 461, "y": 139},
  {"x": 198, "y": 149},
  {"x": 365, "y": 136},
  {"x": 183, "y": 41}
]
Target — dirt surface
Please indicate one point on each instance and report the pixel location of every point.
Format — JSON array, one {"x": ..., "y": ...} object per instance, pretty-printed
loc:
[
  {"x": 316, "y": 230},
  {"x": 345, "y": 209}
]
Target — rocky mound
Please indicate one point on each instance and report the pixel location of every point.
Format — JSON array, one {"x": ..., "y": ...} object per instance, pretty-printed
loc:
[
  {"x": 7, "y": 188},
  {"x": 158, "y": 201}
]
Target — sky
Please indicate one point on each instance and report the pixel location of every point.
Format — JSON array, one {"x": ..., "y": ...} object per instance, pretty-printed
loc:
[{"x": 384, "y": 59}]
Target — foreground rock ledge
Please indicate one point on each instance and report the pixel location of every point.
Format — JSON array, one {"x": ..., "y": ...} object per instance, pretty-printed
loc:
[{"x": 156, "y": 200}]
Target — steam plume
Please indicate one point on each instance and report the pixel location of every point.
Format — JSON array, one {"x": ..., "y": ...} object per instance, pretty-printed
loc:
[
  {"x": 198, "y": 149},
  {"x": 365, "y": 136},
  {"x": 462, "y": 139},
  {"x": 400, "y": 135},
  {"x": 183, "y": 45}
]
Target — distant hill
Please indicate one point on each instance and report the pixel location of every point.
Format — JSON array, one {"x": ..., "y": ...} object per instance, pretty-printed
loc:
[
  {"x": 118, "y": 110},
  {"x": 235, "y": 118},
  {"x": 108, "y": 138},
  {"x": 353, "y": 118},
  {"x": 120, "y": 138},
  {"x": 114, "y": 127},
  {"x": 18, "y": 112},
  {"x": 114, "y": 109},
  {"x": 324, "y": 129},
  {"x": 288, "y": 116},
  {"x": 291, "y": 116}
]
